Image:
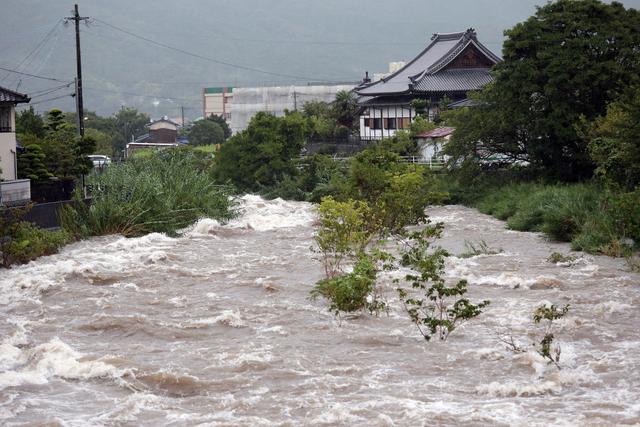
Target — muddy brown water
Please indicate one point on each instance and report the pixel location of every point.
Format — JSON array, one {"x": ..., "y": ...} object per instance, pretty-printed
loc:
[{"x": 216, "y": 328}]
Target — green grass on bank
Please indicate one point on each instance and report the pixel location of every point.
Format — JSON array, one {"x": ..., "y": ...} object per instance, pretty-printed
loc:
[{"x": 591, "y": 217}]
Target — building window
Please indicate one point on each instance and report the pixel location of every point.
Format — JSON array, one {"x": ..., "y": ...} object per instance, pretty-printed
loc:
[
  {"x": 377, "y": 123},
  {"x": 366, "y": 123},
  {"x": 5, "y": 119},
  {"x": 390, "y": 124}
]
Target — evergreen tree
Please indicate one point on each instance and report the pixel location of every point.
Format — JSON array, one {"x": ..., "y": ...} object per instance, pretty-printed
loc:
[
  {"x": 206, "y": 132},
  {"x": 28, "y": 122},
  {"x": 220, "y": 121},
  {"x": 31, "y": 164}
]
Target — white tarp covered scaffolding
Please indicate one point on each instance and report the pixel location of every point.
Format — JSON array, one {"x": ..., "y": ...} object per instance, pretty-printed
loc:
[{"x": 249, "y": 101}]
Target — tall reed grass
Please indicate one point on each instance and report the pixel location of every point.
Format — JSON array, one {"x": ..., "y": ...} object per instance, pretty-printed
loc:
[{"x": 164, "y": 192}]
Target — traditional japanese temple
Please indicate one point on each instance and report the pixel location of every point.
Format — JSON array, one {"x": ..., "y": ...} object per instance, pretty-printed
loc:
[{"x": 449, "y": 67}]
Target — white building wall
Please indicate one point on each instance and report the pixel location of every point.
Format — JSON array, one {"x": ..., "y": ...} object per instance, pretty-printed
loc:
[
  {"x": 247, "y": 102},
  {"x": 404, "y": 112},
  {"x": 8, "y": 151}
]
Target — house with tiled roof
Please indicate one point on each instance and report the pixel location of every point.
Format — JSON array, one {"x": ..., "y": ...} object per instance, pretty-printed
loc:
[
  {"x": 447, "y": 69},
  {"x": 162, "y": 134}
]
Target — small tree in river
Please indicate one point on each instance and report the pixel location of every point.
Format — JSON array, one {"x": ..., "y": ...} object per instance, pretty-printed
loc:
[{"x": 434, "y": 307}]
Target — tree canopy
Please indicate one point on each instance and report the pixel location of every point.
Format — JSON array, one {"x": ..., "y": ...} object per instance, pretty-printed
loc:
[
  {"x": 262, "y": 155},
  {"x": 561, "y": 68},
  {"x": 206, "y": 132}
]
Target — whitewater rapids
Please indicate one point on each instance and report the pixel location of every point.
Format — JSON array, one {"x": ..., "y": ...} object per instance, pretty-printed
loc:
[{"x": 215, "y": 328}]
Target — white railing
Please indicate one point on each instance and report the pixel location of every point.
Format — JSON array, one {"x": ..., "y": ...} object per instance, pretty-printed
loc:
[
  {"x": 432, "y": 162},
  {"x": 15, "y": 191}
]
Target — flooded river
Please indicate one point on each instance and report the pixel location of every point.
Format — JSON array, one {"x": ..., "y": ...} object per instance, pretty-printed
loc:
[{"x": 216, "y": 328}]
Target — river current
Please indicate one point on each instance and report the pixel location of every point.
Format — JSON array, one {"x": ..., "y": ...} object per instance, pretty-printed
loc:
[{"x": 215, "y": 328}]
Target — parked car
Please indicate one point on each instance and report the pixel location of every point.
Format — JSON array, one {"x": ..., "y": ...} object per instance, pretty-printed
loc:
[{"x": 99, "y": 160}]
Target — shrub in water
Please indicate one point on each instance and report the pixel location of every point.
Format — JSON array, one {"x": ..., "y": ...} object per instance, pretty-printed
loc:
[
  {"x": 346, "y": 228},
  {"x": 354, "y": 291},
  {"x": 437, "y": 309}
]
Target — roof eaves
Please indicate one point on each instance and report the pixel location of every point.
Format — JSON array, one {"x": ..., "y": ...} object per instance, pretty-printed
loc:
[{"x": 13, "y": 96}]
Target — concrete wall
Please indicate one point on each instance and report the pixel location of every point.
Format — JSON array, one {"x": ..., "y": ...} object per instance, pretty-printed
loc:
[
  {"x": 8, "y": 151},
  {"x": 247, "y": 102}
]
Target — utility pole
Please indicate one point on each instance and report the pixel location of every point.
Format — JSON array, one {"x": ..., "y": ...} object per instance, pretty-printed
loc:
[
  {"x": 182, "y": 108},
  {"x": 79, "y": 101}
]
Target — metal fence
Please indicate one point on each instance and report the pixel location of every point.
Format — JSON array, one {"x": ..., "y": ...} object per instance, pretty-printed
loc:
[{"x": 44, "y": 215}]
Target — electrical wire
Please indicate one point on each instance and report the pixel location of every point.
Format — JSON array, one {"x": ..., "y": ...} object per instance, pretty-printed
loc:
[
  {"x": 141, "y": 95},
  {"x": 50, "y": 99},
  {"x": 39, "y": 92},
  {"x": 34, "y": 75},
  {"x": 35, "y": 49},
  {"x": 205, "y": 58},
  {"x": 49, "y": 92}
]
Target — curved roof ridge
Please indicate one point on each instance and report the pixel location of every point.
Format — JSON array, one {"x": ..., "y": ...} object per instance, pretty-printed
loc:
[{"x": 447, "y": 36}]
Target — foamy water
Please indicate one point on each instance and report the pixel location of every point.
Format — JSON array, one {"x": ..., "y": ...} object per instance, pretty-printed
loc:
[{"x": 216, "y": 328}]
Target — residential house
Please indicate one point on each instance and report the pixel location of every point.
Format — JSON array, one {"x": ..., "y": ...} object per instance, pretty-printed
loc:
[
  {"x": 162, "y": 134},
  {"x": 447, "y": 69},
  {"x": 431, "y": 143},
  {"x": 11, "y": 189}
]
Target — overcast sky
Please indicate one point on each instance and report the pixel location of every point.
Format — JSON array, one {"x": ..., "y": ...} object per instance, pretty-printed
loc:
[{"x": 247, "y": 42}]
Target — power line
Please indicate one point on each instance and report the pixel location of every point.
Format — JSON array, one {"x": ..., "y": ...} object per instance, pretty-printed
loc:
[
  {"x": 35, "y": 49},
  {"x": 34, "y": 75},
  {"x": 50, "y": 99},
  {"x": 205, "y": 58},
  {"x": 39, "y": 92},
  {"x": 48, "y": 92},
  {"x": 143, "y": 96}
]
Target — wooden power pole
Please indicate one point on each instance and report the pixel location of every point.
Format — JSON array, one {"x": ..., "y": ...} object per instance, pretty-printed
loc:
[{"x": 79, "y": 100}]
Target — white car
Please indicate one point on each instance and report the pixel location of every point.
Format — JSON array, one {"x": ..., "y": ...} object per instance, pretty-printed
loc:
[{"x": 99, "y": 160}]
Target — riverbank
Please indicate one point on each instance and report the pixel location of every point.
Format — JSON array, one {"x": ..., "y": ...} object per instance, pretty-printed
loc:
[{"x": 591, "y": 217}]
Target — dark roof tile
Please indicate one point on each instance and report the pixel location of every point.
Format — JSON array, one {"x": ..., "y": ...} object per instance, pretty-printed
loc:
[
  {"x": 7, "y": 95},
  {"x": 459, "y": 80}
]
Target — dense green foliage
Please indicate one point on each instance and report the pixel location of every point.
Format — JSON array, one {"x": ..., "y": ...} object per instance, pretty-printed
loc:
[
  {"x": 21, "y": 241},
  {"x": 352, "y": 292},
  {"x": 615, "y": 143},
  {"x": 345, "y": 230},
  {"x": 220, "y": 121},
  {"x": 263, "y": 155},
  {"x": 561, "y": 68},
  {"x": 206, "y": 132},
  {"x": 164, "y": 192}
]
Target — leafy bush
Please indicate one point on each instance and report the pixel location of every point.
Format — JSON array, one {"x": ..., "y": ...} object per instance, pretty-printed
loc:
[
  {"x": 354, "y": 291},
  {"x": 161, "y": 193},
  {"x": 344, "y": 232},
  {"x": 439, "y": 309},
  {"x": 26, "y": 242}
]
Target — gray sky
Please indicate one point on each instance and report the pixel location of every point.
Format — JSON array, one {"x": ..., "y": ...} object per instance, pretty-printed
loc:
[{"x": 292, "y": 41}]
